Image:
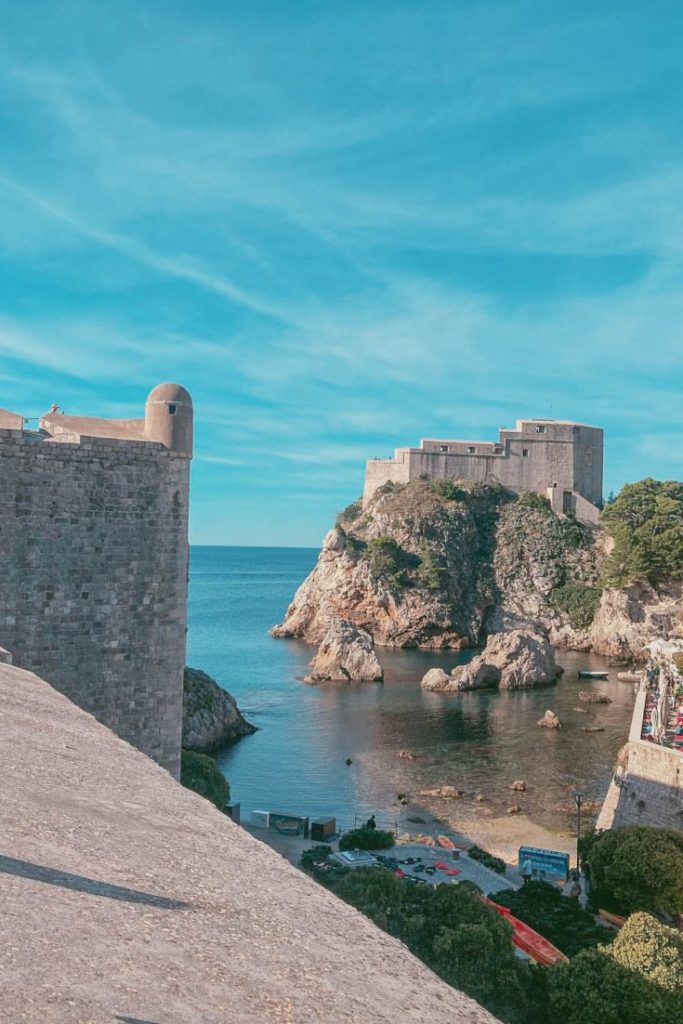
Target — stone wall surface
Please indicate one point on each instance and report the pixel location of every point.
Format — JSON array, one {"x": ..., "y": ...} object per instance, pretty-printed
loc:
[
  {"x": 93, "y": 588},
  {"x": 564, "y": 461},
  {"x": 648, "y": 790},
  {"x": 128, "y": 898}
]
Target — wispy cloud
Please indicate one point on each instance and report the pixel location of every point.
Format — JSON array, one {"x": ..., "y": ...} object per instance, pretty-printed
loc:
[{"x": 343, "y": 229}]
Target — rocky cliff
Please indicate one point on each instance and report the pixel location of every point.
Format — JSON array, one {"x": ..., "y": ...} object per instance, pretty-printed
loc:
[
  {"x": 443, "y": 565},
  {"x": 211, "y": 718}
]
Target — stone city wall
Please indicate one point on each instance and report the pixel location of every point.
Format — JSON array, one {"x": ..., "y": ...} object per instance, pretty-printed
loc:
[
  {"x": 93, "y": 588},
  {"x": 563, "y": 461},
  {"x": 648, "y": 789}
]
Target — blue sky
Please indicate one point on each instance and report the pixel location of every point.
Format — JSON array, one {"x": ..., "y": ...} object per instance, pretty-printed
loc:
[{"x": 344, "y": 226}]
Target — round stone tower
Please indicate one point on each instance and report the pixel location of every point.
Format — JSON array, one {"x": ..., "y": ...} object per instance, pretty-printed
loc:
[{"x": 169, "y": 417}]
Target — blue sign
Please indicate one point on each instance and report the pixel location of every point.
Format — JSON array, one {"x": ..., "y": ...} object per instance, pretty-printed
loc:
[{"x": 538, "y": 863}]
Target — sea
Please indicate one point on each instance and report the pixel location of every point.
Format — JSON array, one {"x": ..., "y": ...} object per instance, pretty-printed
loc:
[{"x": 297, "y": 761}]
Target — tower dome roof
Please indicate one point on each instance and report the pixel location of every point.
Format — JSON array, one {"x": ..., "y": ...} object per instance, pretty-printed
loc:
[{"x": 170, "y": 393}]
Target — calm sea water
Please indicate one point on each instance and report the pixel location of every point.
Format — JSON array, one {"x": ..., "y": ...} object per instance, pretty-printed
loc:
[{"x": 296, "y": 761}]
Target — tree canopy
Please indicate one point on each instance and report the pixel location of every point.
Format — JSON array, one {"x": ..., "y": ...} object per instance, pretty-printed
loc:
[
  {"x": 645, "y": 521},
  {"x": 200, "y": 773},
  {"x": 637, "y": 868}
]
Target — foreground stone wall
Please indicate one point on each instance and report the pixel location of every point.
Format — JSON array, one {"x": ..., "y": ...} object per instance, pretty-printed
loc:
[
  {"x": 127, "y": 898},
  {"x": 93, "y": 587}
]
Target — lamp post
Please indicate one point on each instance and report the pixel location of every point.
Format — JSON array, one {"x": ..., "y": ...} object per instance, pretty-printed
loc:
[{"x": 578, "y": 800}]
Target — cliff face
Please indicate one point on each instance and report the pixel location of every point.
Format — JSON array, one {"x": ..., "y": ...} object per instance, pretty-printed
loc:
[
  {"x": 211, "y": 718},
  {"x": 445, "y": 565}
]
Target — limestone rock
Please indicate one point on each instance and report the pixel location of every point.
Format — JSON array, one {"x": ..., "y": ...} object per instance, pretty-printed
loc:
[
  {"x": 407, "y": 755},
  {"x": 211, "y": 718},
  {"x": 435, "y": 679},
  {"x": 345, "y": 653},
  {"x": 550, "y": 721},
  {"x": 593, "y": 697},
  {"x": 518, "y": 660},
  {"x": 631, "y": 617},
  {"x": 515, "y": 809},
  {"x": 462, "y": 567},
  {"x": 443, "y": 793},
  {"x": 519, "y": 786}
]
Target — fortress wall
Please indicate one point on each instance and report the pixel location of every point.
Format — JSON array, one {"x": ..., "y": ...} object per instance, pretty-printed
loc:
[
  {"x": 380, "y": 471},
  {"x": 653, "y": 791},
  {"x": 93, "y": 542}
]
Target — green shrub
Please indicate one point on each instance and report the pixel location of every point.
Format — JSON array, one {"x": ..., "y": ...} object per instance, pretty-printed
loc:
[
  {"x": 432, "y": 572},
  {"x": 646, "y": 522},
  {"x": 580, "y": 603},
  {"x": 354, "y": 545},
  {"x": 366, "y": 839},
  {"x": 573, "y": 533},
  {"x": 534, "y": 501},
  {"x": 350, "y": 513},
  {"x": 200, "y": 773},
  {"x": 595, "y": 989},
  {"x": 566, "y": 924},
  {"x": 639, "y": 867},
  {"x": 487, "y": 859},
  {"x": 389, "y": 561},
  {"x": 448, "y": 490},
  {"x": 653, "y": 949}
]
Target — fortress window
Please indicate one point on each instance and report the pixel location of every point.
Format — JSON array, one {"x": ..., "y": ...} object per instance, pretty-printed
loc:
[
  {"x": 497, "y": 449},
  {"x": 525, "y": 453},
  {"x": 540, "y": 428},
  {"x": 589, "y": 456},
  {"x": 171, "y": 409},
  {"x": 471, "y": 450},
  {"x": 443, "y": 447}
]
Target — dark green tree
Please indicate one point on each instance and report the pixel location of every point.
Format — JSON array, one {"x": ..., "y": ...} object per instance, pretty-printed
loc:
[
  {"x": 200, "y": 773},
  {"x": 652, "y": 949},
  {"x": 637, "y": 868},
  {"x": 595, "y": 989},
  {"x": 646, "y": 522},
  {"x": 566, "y": 924}
]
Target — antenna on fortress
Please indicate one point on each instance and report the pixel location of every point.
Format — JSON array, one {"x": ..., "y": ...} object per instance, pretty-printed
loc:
[{"x": 550, "y": 409}]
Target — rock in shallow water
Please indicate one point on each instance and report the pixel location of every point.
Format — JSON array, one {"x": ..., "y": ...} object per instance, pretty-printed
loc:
[
  {"x": 211, "y": 718},
  {"x": 550, "y": 721},
  {"x": 516, "y": 660},
  {"x": 346, "y": 654}
]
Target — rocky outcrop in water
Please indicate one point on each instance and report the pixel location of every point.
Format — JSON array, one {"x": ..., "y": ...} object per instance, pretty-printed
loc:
[
  {"x": 549, "y": 721},
  {"x": 444, "y": 564},
  {"x": 345, "y": 654},
  {"x": 518, "y": 660},
  {"x": 211, "y": 718}
]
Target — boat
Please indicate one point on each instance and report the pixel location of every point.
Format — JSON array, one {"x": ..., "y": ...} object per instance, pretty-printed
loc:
[
  {"x": 426, "y": 840},
  {"x": 616, "y": 919},
  {"x": 585, "y": 674},
  {"x": 446, "y": 843},
  {"x": 528, "y": 940}
]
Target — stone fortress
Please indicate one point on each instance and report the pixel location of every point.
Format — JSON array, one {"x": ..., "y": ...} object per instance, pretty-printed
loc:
[
  {"x": 94, "y": 547},
  {"x": 559, "y": 459}
]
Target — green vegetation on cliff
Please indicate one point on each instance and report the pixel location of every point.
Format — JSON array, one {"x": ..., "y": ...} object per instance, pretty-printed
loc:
[
  {"x": 645, "y": 521},
  {"x": 389, "y": 561},
  {"x": 200, "y": 773},
  {"x": 579, "y": 602}
]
